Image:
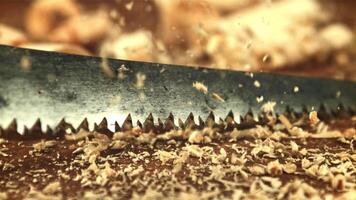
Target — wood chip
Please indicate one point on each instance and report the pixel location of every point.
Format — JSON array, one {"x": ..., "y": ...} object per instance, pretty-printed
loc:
[{"x": 200, "y": 87}]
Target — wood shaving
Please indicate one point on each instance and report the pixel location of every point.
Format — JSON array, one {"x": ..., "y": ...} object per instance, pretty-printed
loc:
[
  {"x": 52, "y": 188},
  {"x": 257, "y": 84},
  {"x": 106, "y": 69},
  {"x": 294, "y": 146},
  {"x": 217, "y": 97},
  {"x": 257, "y": 170},
  {"x": 129, "y": 5},
  {"x": 196, "y": 137},
  {"x": 285, "y": 121},
  {"x": 259, "y": 99},
  {"x": 313, "y": 118},
  {"x": 200, "y": 87},
  {"x": 289, "y": 168},
  {"x": 25, "y": 63},
  {"x": 121, "y": 71},
  {"x": 140, "y": 80},
  {"x": 42, "y": 145},
  {"x": 274, "y": 168},
  {"x": 82, "y": 134},
  {"x": 268, "y": 107},
  {"x": 338, "y": 182}
]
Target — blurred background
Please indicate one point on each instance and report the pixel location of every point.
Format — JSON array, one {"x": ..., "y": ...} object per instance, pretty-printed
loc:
[{"x": 299, "y": 37}]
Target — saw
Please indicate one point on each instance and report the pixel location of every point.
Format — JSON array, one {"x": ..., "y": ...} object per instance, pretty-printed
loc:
[
  {"x": 73, "y": 90},
  {"x": 79, "y": 127}
]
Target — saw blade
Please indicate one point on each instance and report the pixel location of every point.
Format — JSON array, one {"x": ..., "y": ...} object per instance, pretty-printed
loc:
[{"x": 57, "y": 86}]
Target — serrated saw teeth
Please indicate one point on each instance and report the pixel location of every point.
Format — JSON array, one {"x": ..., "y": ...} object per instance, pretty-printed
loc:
[
  {"x": 160, "y": 125},
  {"x": 127, "y": 125},
  {"x": 103, "y": 128},
  {"x": 341, "y": 112},
  {"x": 84, "y": 125},
  {"x": 117, "y": 127},
  {"x": 190, "y": 123},
  {"x": 149, "y": 125}
]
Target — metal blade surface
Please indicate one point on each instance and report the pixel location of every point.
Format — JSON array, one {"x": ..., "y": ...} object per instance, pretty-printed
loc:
[{"x": 74, "y": 87}]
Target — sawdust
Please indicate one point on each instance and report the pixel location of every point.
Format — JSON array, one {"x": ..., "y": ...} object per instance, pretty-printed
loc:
[
  {"x": 140, "y": 80},
  {"x": 217, "y": 97},
  {"x": 176, "y": 163},
  {"x": 200, "y": 87},
  {"x": 25, "y": 63}
]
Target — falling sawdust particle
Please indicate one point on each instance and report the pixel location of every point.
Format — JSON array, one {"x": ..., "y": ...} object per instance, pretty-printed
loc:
[
  {"x": 268, "y": 107},
  {"x": 217, "y": 97},
  {"x": 338, "y": 94},
  {"x": 313, "y": 118},
  {"x": 121, "y": 71},
  {"x": 140, "y": 80},
  {"x": 106, "y": 69},
  {"x": 265, "y": 58},
  {"x": 25, "y": 63},
  {"x": 129, "y": 5},
  {"x": 200, "y": 87},
  {"x": 257, "y": 84},
  {"x": 259, "y": 99}
]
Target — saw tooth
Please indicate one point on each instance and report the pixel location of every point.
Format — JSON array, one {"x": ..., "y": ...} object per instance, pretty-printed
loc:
[
  {"x": 96, "y": 126},
  {"x": 139, "y": 124},
  {"x": 103, "y": 128},
  {"x": 210, "y": 120},
  {"x": 117, "y": 127},
  {"x": 171, "y": 117},
  {"x": 104, "y": 123},
  {"x": 292, "y": 114},
  {"x": 221, "y": 121},
  {"x": 37, "y": 126},
  {"x": 2, "y": 132},
  {"x": 201, "y": 123},
  {"x": 26, "y": 133},
  {"x": 181, "y": 123},
  {"x": 35, "y": 131},
  {"x": 305, "y": 110},
  {"x": 247, "y": 121},
  {"x": 11, "y": 131},
  {"x": 169, "y": 123},
  {"x": 248, "y": 117},
  {"x": 62, "y": 128},
  {"x": 12, "y": 126},
  {"x": 351, "y": 111},
  {"x": 230, "y": 117},
  {"x": 263, "y": 118},
  {"x": 230, "y": 121},
  {"x": 323, "y": 114},
  {"x": 342, "y": 112},
  {"x": 288, "y": 111},
  {"x": 148, "y": 124},
  {"x": 127, "y": 125},
  {"x": 49, "y": 131},
  {"x": 220, "y": 126},
  {"x": 83, "y": 125},
  {"x": 160, "y": 126},
  {"x": 189, "y": 122}
]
